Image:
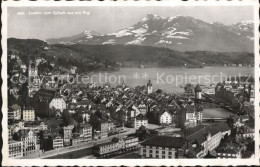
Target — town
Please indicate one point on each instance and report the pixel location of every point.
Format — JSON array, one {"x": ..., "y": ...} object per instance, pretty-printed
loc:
[{"x": 49, "y": 117}]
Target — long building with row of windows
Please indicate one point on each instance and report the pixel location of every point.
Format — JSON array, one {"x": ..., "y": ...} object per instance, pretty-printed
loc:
[{"x": 116, "y": 146}]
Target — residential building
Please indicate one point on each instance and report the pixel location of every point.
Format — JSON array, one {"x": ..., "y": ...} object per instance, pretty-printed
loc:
[
  {"x": 87, "y": 132},
  {"x": 193, "y": 115},
  {"x": 162, "y": 147},
  {"x": 142, "y": 108},
  {"x": 76, "y": 139},
  {"x": 103, "y": 128},
  {"x": 165, "y": 118},
  {"x": 67, "y": 134},
  {"x": 15, "y": 149},
  {"x": 14, "y": 112},
  {"x": 140, "y": 120},
  {"x": 28, "y": 114},
  {"x": 57, "y": 142}
]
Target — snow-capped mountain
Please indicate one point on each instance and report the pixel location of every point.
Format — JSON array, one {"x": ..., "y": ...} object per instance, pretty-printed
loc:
[{"x": 181, "y": 33}]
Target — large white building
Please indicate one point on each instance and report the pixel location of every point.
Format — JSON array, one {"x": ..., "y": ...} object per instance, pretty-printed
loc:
[
  {"x": 29, "y": 140},
  {"x": 165, "y": 118},
  {"x": 28, "y": 114},
  {"x": 58, "y": 103},
  {"x": 162, "y": 147}
]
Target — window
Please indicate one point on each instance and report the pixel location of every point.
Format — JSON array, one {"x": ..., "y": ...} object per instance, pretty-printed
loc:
[
  {"x": 144, "y": 150},
  {"x": 163, "y": 152},
  {"x": 157, "y": 152},
  {"x": 151, "y": 151},
  {"x": 163, "y": 157},
  {"x": 170, "y": 153},
  {"x": 157, "y": 156}
]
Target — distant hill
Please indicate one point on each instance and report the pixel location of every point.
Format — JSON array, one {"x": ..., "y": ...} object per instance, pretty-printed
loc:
[
  {"x": 180, "y": 33},
  {"x": 109, "y": 57}
]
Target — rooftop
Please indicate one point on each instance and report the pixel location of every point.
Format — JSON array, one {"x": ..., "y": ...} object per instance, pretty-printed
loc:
[{"x": 165, "y": 141}]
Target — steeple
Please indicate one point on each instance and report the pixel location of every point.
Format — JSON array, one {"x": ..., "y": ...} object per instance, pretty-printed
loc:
[
  {"x": 149, "y": 83},
  {"x": 123, "y": 84},
  {"x": 198, "y": 91},
  {"x": 149, "y": 87}
]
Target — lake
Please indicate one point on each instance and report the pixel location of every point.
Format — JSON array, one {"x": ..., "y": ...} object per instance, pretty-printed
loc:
[{"x": 169, "y": 80}]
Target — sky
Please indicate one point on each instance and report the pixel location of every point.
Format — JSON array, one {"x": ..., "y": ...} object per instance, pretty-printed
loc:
[{"x": 55, "y": 22}]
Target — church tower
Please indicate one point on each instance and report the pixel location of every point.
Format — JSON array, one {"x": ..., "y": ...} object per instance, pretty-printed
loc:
[
  {"x": 149, "y": 87},
  {"x": 198, "y": 107},
  {"x": 198, "y": 91},
  {"x": 33, "y": 70}
]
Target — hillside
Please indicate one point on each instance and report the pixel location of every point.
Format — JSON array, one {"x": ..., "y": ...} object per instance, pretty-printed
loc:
[
  {"x": 109, "y": 57},
  {"x": 180, "y": 33}
]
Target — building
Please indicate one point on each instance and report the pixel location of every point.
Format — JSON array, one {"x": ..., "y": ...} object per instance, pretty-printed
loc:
[
  {"x": 57, "y": 142},
  {"x": 14, "y": 112},
  {"x": 205, "y": 138},
  {"x": 228, "y": 150},
  {"x": 58, "y": 103},
  {"x": 246, "y": 131},
  {"x": 108, "y": 148},
  {"x": 131, "y": 143},
  {"x": 165, "y": 118},
  {"x": 29, "y": 140},
  {"x": 15, "y": 149},
  {"x": 140, "y": 120},
  {"x": 193, "y": 115},
  {"x": 149, "y": 87},
  {"x": 28, "y": 114},
  {"x": 86, "y": 116},
  {"x": 162, "y": 147},
  {"x": 34, "y": 83},
  {"x": 67, "y": 134},
  {"x": 42, "y": 101},
  {"x": 87, "y": 132},
  {"x": 142, "y": 108},
  {"x": 76, "y": 139},
  {"x": 103, "y": 128},
  {"x": 198, "y": 91}
]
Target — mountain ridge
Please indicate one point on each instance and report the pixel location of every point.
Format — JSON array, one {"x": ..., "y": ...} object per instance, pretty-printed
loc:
[{"x": 182, "y": 33}]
